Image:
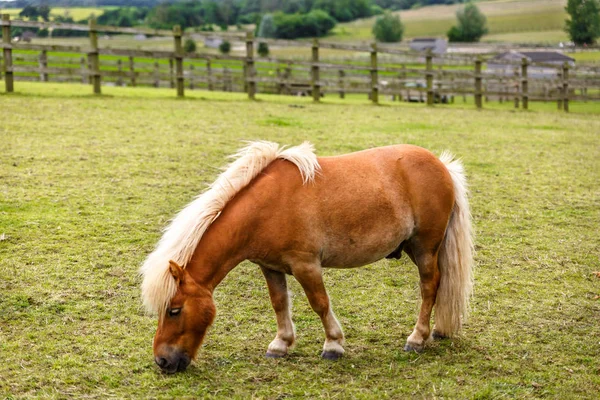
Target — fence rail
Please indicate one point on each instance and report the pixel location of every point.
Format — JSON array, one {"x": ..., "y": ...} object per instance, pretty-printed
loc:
[{"x": 382, "y": 70}]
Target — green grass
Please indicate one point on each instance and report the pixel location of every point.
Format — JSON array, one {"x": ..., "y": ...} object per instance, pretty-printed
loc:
[
  {"x": 588, "y": 56},
  {"x": 87, "y": 183}
]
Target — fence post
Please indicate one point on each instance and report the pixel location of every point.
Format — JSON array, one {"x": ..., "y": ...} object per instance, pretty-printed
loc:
[
  {"x": 374, "y": 75},
  {"x": 478, "y": 83},
  {"x": 341, "y": 83},
  {"x": 43, "y": 64},
  {"x": 120, "y": 69},
  {"x": 227, "y": 86},
  {"x": 178, "y": 60},
  {"x": 452, "y": 88},
  {"x": 316, "y": 89},
  {"x": 94, "y": 57},
  {"x": 89, "y": 69},
  {"x": 84, "y": 70},
  {"x": 279, "y": 80},
  {"x": 249, "y": 78},
  {"x": 132, "y": 71},
  {"x": 156, "y": 74},
  {"x": 171, "y": 74},
  {"x": 559, "y": 101},
  {"x": 429, "y": 76},
  {"x": 7, "y": 66},
  {"x": 524, "y": 84},
  {"x": 209, "y": 74},
  {"x": 566, "y": 86},
  {"x": 288, "y": 76},
  {"x": 516, "y": 74},
  {"x": 191, "y": 76},
  {"x": 501, "y": 98}
]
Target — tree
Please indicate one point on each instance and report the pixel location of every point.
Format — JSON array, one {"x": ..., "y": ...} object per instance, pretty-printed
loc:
[
  {"x": 388, "y": 28},
  {"x": 471, "y": 25},
  {"x": 263, "y": 49},
  {"x": 584, "y": 25},
  {"x": 225, "y": 47},
  {"x": 189, "y": 46},
  {"x": 30, "y": 12},
  {"x": 267, "y": 27},
  {"x": 44, "y": 12},
  {"x": 291, "y": 26}
]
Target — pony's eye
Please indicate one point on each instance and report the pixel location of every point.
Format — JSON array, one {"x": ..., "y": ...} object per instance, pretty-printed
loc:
[{"x": 174, "y": 311}]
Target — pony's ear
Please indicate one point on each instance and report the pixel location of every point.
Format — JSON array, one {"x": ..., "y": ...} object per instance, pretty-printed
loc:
[{"x": 176, "y": 270}]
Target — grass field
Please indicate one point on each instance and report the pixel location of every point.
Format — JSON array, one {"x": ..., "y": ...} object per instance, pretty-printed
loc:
[
  {"x": 87, "y": 183},
  {"x": 77, "y": 13},
  {"x": 508, "y": 20}
]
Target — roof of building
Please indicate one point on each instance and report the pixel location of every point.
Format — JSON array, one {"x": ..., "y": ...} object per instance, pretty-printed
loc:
[
  {"x": 425, "y": 40},
  {"x": 536, "y": 56}
]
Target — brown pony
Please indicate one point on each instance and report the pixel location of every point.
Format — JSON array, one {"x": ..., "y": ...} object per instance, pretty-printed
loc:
[{"x": 295, "y": 214}]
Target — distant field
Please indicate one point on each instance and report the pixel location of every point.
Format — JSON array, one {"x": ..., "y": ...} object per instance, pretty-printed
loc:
[
  {"x": 520, "y": 18},
  {"x": 550, "y": 37},
  {"x": 78, "y": 13}
]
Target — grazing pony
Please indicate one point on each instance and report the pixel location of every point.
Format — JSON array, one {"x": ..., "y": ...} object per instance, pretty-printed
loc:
[{"x": 295, "y": 214}]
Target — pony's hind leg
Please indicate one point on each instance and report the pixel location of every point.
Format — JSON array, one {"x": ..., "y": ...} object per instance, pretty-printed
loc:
[
  {"x": 311, "y": 278},
  {"x": 426, "y": 260},
  {"x": 280, "y": 300}
]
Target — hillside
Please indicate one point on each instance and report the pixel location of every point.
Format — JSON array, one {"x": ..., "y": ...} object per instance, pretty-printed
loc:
[{"x": 508, "y": 20}]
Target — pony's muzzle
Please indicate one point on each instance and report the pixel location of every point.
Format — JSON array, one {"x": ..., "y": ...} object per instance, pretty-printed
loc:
[{"x": 174, "y": 362}]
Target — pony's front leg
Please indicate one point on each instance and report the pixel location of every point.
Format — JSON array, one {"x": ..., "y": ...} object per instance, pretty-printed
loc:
[
  {"x": 311, "y": 278},
  {"x": 281, "y": 304}
]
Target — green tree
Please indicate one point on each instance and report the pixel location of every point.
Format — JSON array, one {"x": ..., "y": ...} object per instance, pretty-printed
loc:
[
  {"x": 291, "y": 26},
  {"x": 225, "y": 47},
  {"x": 30, "y": 12},
  {"x": 584, "y": 25},
  {"x": 44, "y": 12},
  {"x": 471, "y": 25},
  {"x": 267, "y": 27},
  {"x": 263, "y": 49},
  {"x": 388, "y": 28},
  {"x": 189, "y": 46}
]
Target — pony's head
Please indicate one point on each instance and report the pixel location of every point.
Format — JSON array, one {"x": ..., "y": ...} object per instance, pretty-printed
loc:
[{"x": 183, "y": 323}]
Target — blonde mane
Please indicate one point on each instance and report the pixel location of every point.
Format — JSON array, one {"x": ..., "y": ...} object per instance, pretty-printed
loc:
[{"x": 181, "y": 237}]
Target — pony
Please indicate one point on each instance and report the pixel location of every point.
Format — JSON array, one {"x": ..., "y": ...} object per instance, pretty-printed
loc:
[{"x": 293, "y": 213}]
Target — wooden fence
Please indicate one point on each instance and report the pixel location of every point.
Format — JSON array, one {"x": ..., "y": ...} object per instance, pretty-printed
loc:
[{"x": 376, "y": 70}]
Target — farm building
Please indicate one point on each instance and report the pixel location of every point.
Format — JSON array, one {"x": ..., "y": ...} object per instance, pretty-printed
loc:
[
  {"x": 213, "y": 42},
  {"x": 506, "y": 63},
  {"x": 437, "y": 45}
]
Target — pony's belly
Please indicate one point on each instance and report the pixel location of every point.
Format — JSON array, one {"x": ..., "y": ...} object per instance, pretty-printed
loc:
[
  {"x": 354, "y": 260},
  {"x": 355, "y": 252}
]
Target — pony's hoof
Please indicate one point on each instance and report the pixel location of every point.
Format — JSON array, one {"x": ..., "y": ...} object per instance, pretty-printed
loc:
[
  {"x": 331, "y": 355},
  {"x": 274, "y": 355},
  {"x": 413, "y": 347},
  {"x": 437, "y": 335}
]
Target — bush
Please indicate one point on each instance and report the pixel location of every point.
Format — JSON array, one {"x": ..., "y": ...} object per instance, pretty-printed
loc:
[
  {"x": 189, "y": 46},
  {"x": 388, "y": 28},
  {"x": 584, "y": 25},
  {"x": 291, "y": 26},
  {"x": 263, "y": 49},
  {"x": 344, "y": 10},
  {"x": 225, "y": 47},
  {"x": 471, "y": 25}
]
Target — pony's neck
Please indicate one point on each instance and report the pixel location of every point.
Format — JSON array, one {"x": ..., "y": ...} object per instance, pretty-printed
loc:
[{"x": 223, "y": 246}]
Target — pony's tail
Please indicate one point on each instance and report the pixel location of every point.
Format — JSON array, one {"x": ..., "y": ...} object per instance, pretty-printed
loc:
[{"x": 455, "y": 258}]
